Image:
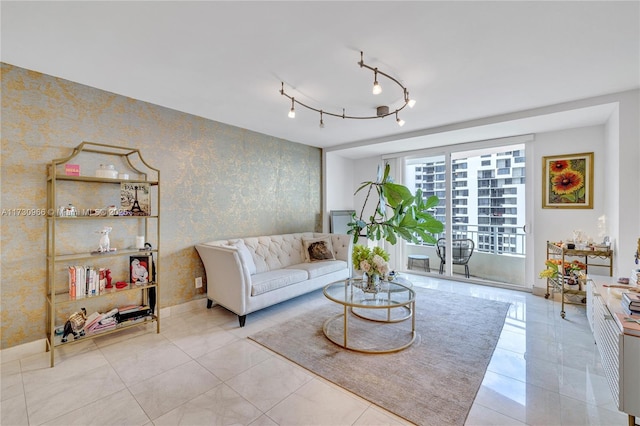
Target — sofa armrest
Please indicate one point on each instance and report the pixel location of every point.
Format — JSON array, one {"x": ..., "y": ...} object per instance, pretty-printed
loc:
[
  {"x": 228, "y": 279},
  {"x": 342, "y": 247}
]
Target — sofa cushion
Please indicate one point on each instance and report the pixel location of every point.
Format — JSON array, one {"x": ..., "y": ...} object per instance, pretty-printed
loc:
[
  {"x": 271, "y": 280},
  {"x": 245, "y": 255},
  {"x": 318, "y": 249},
  {"x": 317, "y": 269}
]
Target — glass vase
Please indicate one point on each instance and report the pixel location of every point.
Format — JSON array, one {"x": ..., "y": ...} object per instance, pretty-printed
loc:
[{"x": 371, "y": 283}]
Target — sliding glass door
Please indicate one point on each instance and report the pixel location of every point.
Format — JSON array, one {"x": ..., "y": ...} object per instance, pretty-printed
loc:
[{"x": 482, "y": 204}]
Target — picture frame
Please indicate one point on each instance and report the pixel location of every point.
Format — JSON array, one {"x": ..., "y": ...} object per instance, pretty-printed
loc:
[
  {"x": 567, "y": 181},
  {"x": 135, "y": 198},
  {"x": 141, "y": 269}
]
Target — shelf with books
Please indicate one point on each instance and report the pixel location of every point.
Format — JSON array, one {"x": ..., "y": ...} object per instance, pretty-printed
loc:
[
  {"x": 65, "y": 297},
  {"x": 134, "y": 194},
  {"x": 148, "y": 319}
]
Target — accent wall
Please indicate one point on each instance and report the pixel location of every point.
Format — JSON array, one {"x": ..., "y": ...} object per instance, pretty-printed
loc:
[{"x": 217, "y": 181}]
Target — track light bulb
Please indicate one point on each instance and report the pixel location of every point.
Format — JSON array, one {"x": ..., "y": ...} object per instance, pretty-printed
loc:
[
  {"x": 377, "y": 89},
  {"x": 411, "y": 103},
  {"x": 292, "y": 111},
  {"x": 400, "y": 121}
]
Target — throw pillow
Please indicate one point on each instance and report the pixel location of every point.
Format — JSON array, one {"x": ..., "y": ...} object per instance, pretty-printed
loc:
[
  {"x": 245, "y": 255},
  {"x": 318, "y": 249}
]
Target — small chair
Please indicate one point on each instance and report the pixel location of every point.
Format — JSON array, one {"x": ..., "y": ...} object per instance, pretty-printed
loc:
[{"x": 461, "y": 250}]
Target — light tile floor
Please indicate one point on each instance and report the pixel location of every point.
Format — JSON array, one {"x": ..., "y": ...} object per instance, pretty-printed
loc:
[{"x": 201, "y": 369}]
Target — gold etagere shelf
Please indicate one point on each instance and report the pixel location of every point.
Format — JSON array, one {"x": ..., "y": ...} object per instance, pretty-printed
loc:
[{"x": 56, "y": 297}]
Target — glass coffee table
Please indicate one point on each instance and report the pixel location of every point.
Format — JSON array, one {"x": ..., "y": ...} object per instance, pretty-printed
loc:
[{"x": 370, "y": 322}]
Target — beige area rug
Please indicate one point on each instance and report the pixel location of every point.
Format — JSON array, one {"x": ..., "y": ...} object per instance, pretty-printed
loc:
[{"x": 433, "y": 382}]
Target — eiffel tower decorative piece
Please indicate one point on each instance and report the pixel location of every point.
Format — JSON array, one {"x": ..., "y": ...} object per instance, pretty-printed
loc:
[
  {"x": 135, "y": 209},
  {"x": 134, "y": 199}
]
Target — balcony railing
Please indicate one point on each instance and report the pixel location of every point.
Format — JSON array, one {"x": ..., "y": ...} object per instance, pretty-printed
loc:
[{"x": 495, "y": 240}]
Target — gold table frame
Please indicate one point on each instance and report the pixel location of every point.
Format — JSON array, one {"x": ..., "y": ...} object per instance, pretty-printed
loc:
[{"x": 349, "y": 294}]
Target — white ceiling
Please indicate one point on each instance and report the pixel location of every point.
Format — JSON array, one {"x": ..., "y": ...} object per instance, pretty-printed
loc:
[{"x": 226, "y": 60}]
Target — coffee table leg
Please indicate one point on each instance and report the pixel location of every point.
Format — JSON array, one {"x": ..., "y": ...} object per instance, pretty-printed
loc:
[
  {"x": 413, "y": 317},
  {"x": 346, "y": 325}
]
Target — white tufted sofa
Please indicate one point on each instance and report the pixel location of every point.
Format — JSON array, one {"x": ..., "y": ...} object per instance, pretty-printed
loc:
[{"x": 248, "y": 274}]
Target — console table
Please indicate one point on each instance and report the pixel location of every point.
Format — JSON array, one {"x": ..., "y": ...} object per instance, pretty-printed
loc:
[{"x": 619, "y": 352}]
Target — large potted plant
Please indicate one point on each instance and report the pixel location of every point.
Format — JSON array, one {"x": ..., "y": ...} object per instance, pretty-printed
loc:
[{"x": 398, "y": 213}]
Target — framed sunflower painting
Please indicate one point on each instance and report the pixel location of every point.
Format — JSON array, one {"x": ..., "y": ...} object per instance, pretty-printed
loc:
[{"x": 567, "y": 181}]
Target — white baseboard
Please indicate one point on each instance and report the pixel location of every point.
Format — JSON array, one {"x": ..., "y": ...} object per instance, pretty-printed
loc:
[
  {"x": 39, "y": 346},
  {"x": 539, "y": 291},
  {"x": 23, "y": 351}
]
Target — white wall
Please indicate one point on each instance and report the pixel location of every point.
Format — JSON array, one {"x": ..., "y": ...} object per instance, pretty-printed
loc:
[
  {"x": 338, "y": 185},
  {"x": 558, "y": 224},
  {"x": 611, "y": 155},
  {"x": 626, "y": 166}
]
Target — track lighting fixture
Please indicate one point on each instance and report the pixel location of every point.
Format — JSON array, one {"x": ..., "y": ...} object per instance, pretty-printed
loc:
[{"x": 381, "y": 111}]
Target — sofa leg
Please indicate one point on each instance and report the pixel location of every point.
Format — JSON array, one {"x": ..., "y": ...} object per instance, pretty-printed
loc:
[
  {"x": 242, "y": 319},
  {"x": 209, "y": 303}
]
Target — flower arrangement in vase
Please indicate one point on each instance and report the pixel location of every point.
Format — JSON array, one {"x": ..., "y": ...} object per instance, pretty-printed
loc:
[{"x": 372, "y": 262}]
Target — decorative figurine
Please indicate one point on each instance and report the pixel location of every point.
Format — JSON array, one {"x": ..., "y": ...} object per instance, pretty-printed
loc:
[
  {"x": 108, "y": 276},
  {"x": 75, "y": 325},
  {"x": 104, "y": 240}
]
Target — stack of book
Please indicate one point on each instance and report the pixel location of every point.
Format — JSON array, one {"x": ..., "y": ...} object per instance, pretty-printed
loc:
[
  {"x": 97, "y": 322},
  {"x": 630, "y": 324},
  {"x": 133, "y": 312},
  {"x": 86, "y": 281},
  {"x": 630, "y": 303}
]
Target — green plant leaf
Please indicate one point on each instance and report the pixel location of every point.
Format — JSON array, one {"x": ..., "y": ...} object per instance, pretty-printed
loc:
[
  {"x": 408, "y": 221},
  {"x": 409, "y": 218},
  {"x": 432, "y": 202},
  {"x": 396, "y": 194},
  {"x": 432, "y": 225}
]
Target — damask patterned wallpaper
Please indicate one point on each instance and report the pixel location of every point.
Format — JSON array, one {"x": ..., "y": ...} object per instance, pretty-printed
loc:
[{"x": 218, "y": 181}]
